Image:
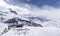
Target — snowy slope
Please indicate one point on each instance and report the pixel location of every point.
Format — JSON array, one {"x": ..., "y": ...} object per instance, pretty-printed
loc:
[
  {"x": 34, "y": 31},
  {"x": 30, "y": 18}
]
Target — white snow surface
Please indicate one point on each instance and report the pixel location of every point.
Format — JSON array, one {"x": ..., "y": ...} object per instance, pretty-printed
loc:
[
  {"x": 50, "y": 28},
  {"x": 35, "y": 31}
]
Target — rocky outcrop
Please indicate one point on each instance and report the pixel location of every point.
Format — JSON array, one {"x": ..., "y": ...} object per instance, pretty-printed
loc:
[{"x": 14, "y": 22}]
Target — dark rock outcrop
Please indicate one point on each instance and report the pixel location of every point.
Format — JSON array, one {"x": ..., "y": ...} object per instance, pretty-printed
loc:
[
  {"x": 14, "y": 23},
  {"x": 12, "y": 11}
]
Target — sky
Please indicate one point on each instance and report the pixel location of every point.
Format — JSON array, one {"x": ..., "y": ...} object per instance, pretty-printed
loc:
[
  {"x": 39, "y": 3},
  {"x": 49, "y": 8}
]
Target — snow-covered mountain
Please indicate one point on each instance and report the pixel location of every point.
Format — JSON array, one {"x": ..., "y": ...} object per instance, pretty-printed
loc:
[
  {"x": 25, "y": 24},
  {"x": 13, "y": 18},
  {"x": 22, "y": 21}
]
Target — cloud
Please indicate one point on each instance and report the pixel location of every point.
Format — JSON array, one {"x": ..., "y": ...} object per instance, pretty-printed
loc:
[
  {"x": 3, "y": 4},
  {"x": 40, "y": 3},
  {"x": 46, "y": 11}
]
